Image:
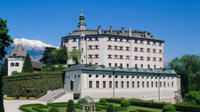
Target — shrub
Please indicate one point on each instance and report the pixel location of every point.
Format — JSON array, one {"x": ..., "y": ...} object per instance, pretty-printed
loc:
[
  {"x": 53, "y": 109},
  {"x": 31, "y": 84},
  {"x": 110, "y": 108},
  {"x": 60, "y": 104},
  {"x": 125, "y": 103},
  {"x": 169, "y": 108},
  {"x": 102, "y": 100},
  {"x": 120, "y": 108},
  {"x": 80, "y": 101},
  {"x": 192, "y": 97},
  {"x": 70, "y": 106}
]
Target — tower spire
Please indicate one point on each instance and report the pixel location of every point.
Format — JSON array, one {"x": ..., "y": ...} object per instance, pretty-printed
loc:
[{"x": 81, "y": 23}]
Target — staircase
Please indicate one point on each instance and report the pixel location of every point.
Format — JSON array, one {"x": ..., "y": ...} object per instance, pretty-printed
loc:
[{"x": 52, "y": 95}]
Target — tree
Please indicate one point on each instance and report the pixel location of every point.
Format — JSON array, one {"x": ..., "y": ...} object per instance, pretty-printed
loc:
[
  {"x": 63, "y": 55},
  {"x": 125, "y": 103},
  {"x": 54, "y": 56},
  {"x": 188, "y": 67},
  {"x": 4, "y": 68},
  {"x": 110, "y": 108},
  {"x": 169, "y": 108},
  {"x": 70, "y": 106},
  {"x": 75, "y": 55},
  {"x": 192, "y": 97},
  {"x": 5, "y": 41},
  {"x": 46, "y": 59},
  {"x": 27, "y": 66}
]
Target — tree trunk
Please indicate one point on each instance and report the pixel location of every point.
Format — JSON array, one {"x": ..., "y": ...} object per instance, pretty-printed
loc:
[{"x": 1, "y": 93}]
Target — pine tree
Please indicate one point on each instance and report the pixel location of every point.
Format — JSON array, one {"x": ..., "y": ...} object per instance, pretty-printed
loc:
[
  {"x": 5, "y": 41},
  {"x": 4, "y": 68},
  {"x": 63, "y": 55},
  {"x": 70, "y": 106},
  {"x": 27, "y": 66},
  {"x": 46, "y": 59}
]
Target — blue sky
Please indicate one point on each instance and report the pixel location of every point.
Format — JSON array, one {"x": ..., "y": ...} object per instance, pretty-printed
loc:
[{"x": 175, "y": 21}]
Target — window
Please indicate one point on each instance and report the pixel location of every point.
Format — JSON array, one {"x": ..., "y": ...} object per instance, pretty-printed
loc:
[
  {"x": 143, "y": 84},
  {"x": 147, "y": 84},
  {"x": 154, "y": 66},
  {"x": 141, "y": 49},
  {"x": 115, "y": 39},
  {"x": 115, "y": 57},
  {"x": 96, "y": 47},
  {"x": 127, "y": 48},
  {"x": 104, "y": 76},
  {"x": 116, "y": 84},
  {"x": 121, "y": 65},
  {"x": 135, "y": 49},
  {"x": 141, "y": 42},
  {"x": 96, "y": 56},
  {"x": 74, "y": 47},
  {"x": 120, "y": 56},
  {"x": 104, "y": 84},
  {"x": 16, "y": 64},
  {"x": 122, "y": 84},
  {"x": 160, "y": 84},
  {"x": 110, "y": 39},
  {"x": 151, "y": 84},
  {"x": 148, "y": 50},
  {"x": 141, "y": 65},
  {"x": 160, "y": 59},
  {"x": 109, "y": 64},
  {"x": 154, "y": 50},
  {"x": 154, "y": 58},
  {"x": 97, "y": 76},
  {"x": 135, "y": 65},
  {"x": 172, "y": 84},
  {"x": 109, "y": 47},
  {"x": 160, "y": 44},
  {"x": 141, "y": 58},
  {"x": 148, "y": 43},
  {"x": 12, "y": 64},
  {"x": 148, "y": 58},
  {"x": 160, "y": 51},
  {"x": 96, "y": 63},
  {"x": 127, "y": 40},
  {"x": 121, "y": 40},
  {"x": 90, "y": 84},
  {"x": 156, "y": 84},
  {"x": 96, "y": 39},
  {"x": 127, "y": 57},
  {"x": 135, "y": 57},
  {"x": 121, "y": 48},
  {"x": 90, "y": 56},
  {"x": 127, "y": 84},
  {"x": 149, "y": 66},
  {"x": 110, "y": 76},
  {"x": 97, "y": 84},
  {"x": 133, "y": 84},
  {"x": 127, "y": 65},
  {"x": 73, "y": 40},
  {"x": 115, "y": 64},
  {"x": 110, "y": 84},
  {"x": 164, "y": 84},
  {"x": 90, "y": 47},
  {"x": 122, "y": 76},
  {"x": 109, "y": 56},
  {"x": 115, "y": 47},
  {"x": 138, "y": 84}
]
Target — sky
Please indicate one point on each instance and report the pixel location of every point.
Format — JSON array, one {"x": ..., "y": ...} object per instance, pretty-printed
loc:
[{"x": 175, "y": 21}]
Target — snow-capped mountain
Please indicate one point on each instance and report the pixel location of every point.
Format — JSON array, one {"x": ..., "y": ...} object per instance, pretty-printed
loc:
[{"x": 34, "y": 48}]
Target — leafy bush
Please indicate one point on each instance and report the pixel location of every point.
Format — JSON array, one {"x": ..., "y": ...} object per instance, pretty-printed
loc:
[
  {"x": 70, "y": 106},
  {"x": 110, "y": 108},
  {"x": 53, "y": 109},
  {"x": 192, "y": 97},
  {"x": 53, "y": 68},
  {"x": 169, "y": 108},
  {"x": 125, "y": 103},
  {"x": 60, "y": 104},
  {"x": 102, "y": 100},
  {"x": 31, "y": 84},
  {"x": 80, "y": 101}
]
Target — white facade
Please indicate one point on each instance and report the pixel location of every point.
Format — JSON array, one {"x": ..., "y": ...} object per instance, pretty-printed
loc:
[
  {"x": 98, "y": 83},
  {"x": 112, "y": 53},
  {"x": 15, "y": 64},
  {"x": 112, "y": 48}
]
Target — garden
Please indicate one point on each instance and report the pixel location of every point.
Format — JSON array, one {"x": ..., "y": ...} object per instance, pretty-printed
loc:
[{"x": 110, "y": 105}]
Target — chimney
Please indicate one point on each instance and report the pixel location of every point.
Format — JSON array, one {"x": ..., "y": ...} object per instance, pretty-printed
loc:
[
  {"x": 122, "y": 29},
  {"x": 99, "y": 29},
  {"x": 145, "y": 33},
  {"x": 110, "y": 29},
  {"x": 129, "y": 32}
]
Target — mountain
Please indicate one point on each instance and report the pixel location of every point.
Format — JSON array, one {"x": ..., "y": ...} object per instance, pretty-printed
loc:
[{"x": 34, "y": 48}]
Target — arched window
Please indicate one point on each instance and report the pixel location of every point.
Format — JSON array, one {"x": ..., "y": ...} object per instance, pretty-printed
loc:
[{"x": 12, "y": 64}]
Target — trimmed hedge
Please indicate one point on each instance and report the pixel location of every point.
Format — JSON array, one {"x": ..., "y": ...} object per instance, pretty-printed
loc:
[
  {"x": 60, "y": 104},
  {"x": 25, "y": 109},
  {"x": 151, "y": 104},
  {"x": 32, "y": 84}
]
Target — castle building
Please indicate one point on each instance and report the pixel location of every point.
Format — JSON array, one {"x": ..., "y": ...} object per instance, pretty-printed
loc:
[
  {"x": 114, "y": 48},
  {"x": 116, "y": 82},
  {"x": 16, "y": 59}
]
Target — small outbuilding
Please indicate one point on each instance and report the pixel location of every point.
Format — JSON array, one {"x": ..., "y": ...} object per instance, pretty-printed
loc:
[{"x": 89, "y": 106}]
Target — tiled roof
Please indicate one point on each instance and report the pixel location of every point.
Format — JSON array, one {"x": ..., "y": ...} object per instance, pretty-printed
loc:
[
  {"x": 19, "y": 51},
  {"x": 134, "y": 34},
  {"x": 37, "y": 65},
  {"x": 118, "y": 69}
]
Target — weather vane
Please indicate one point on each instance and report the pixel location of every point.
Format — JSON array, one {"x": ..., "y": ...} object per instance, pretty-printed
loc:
[{"x": 81, "y": 10}]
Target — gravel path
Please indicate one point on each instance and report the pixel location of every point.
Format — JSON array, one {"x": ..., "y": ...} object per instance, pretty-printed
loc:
[{"x": 13, "y": 105}]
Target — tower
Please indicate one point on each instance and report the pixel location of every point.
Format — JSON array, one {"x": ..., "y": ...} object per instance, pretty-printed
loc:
[
  {"x": 81, "y": 23},
  {"x": 16, "y": 59}
]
